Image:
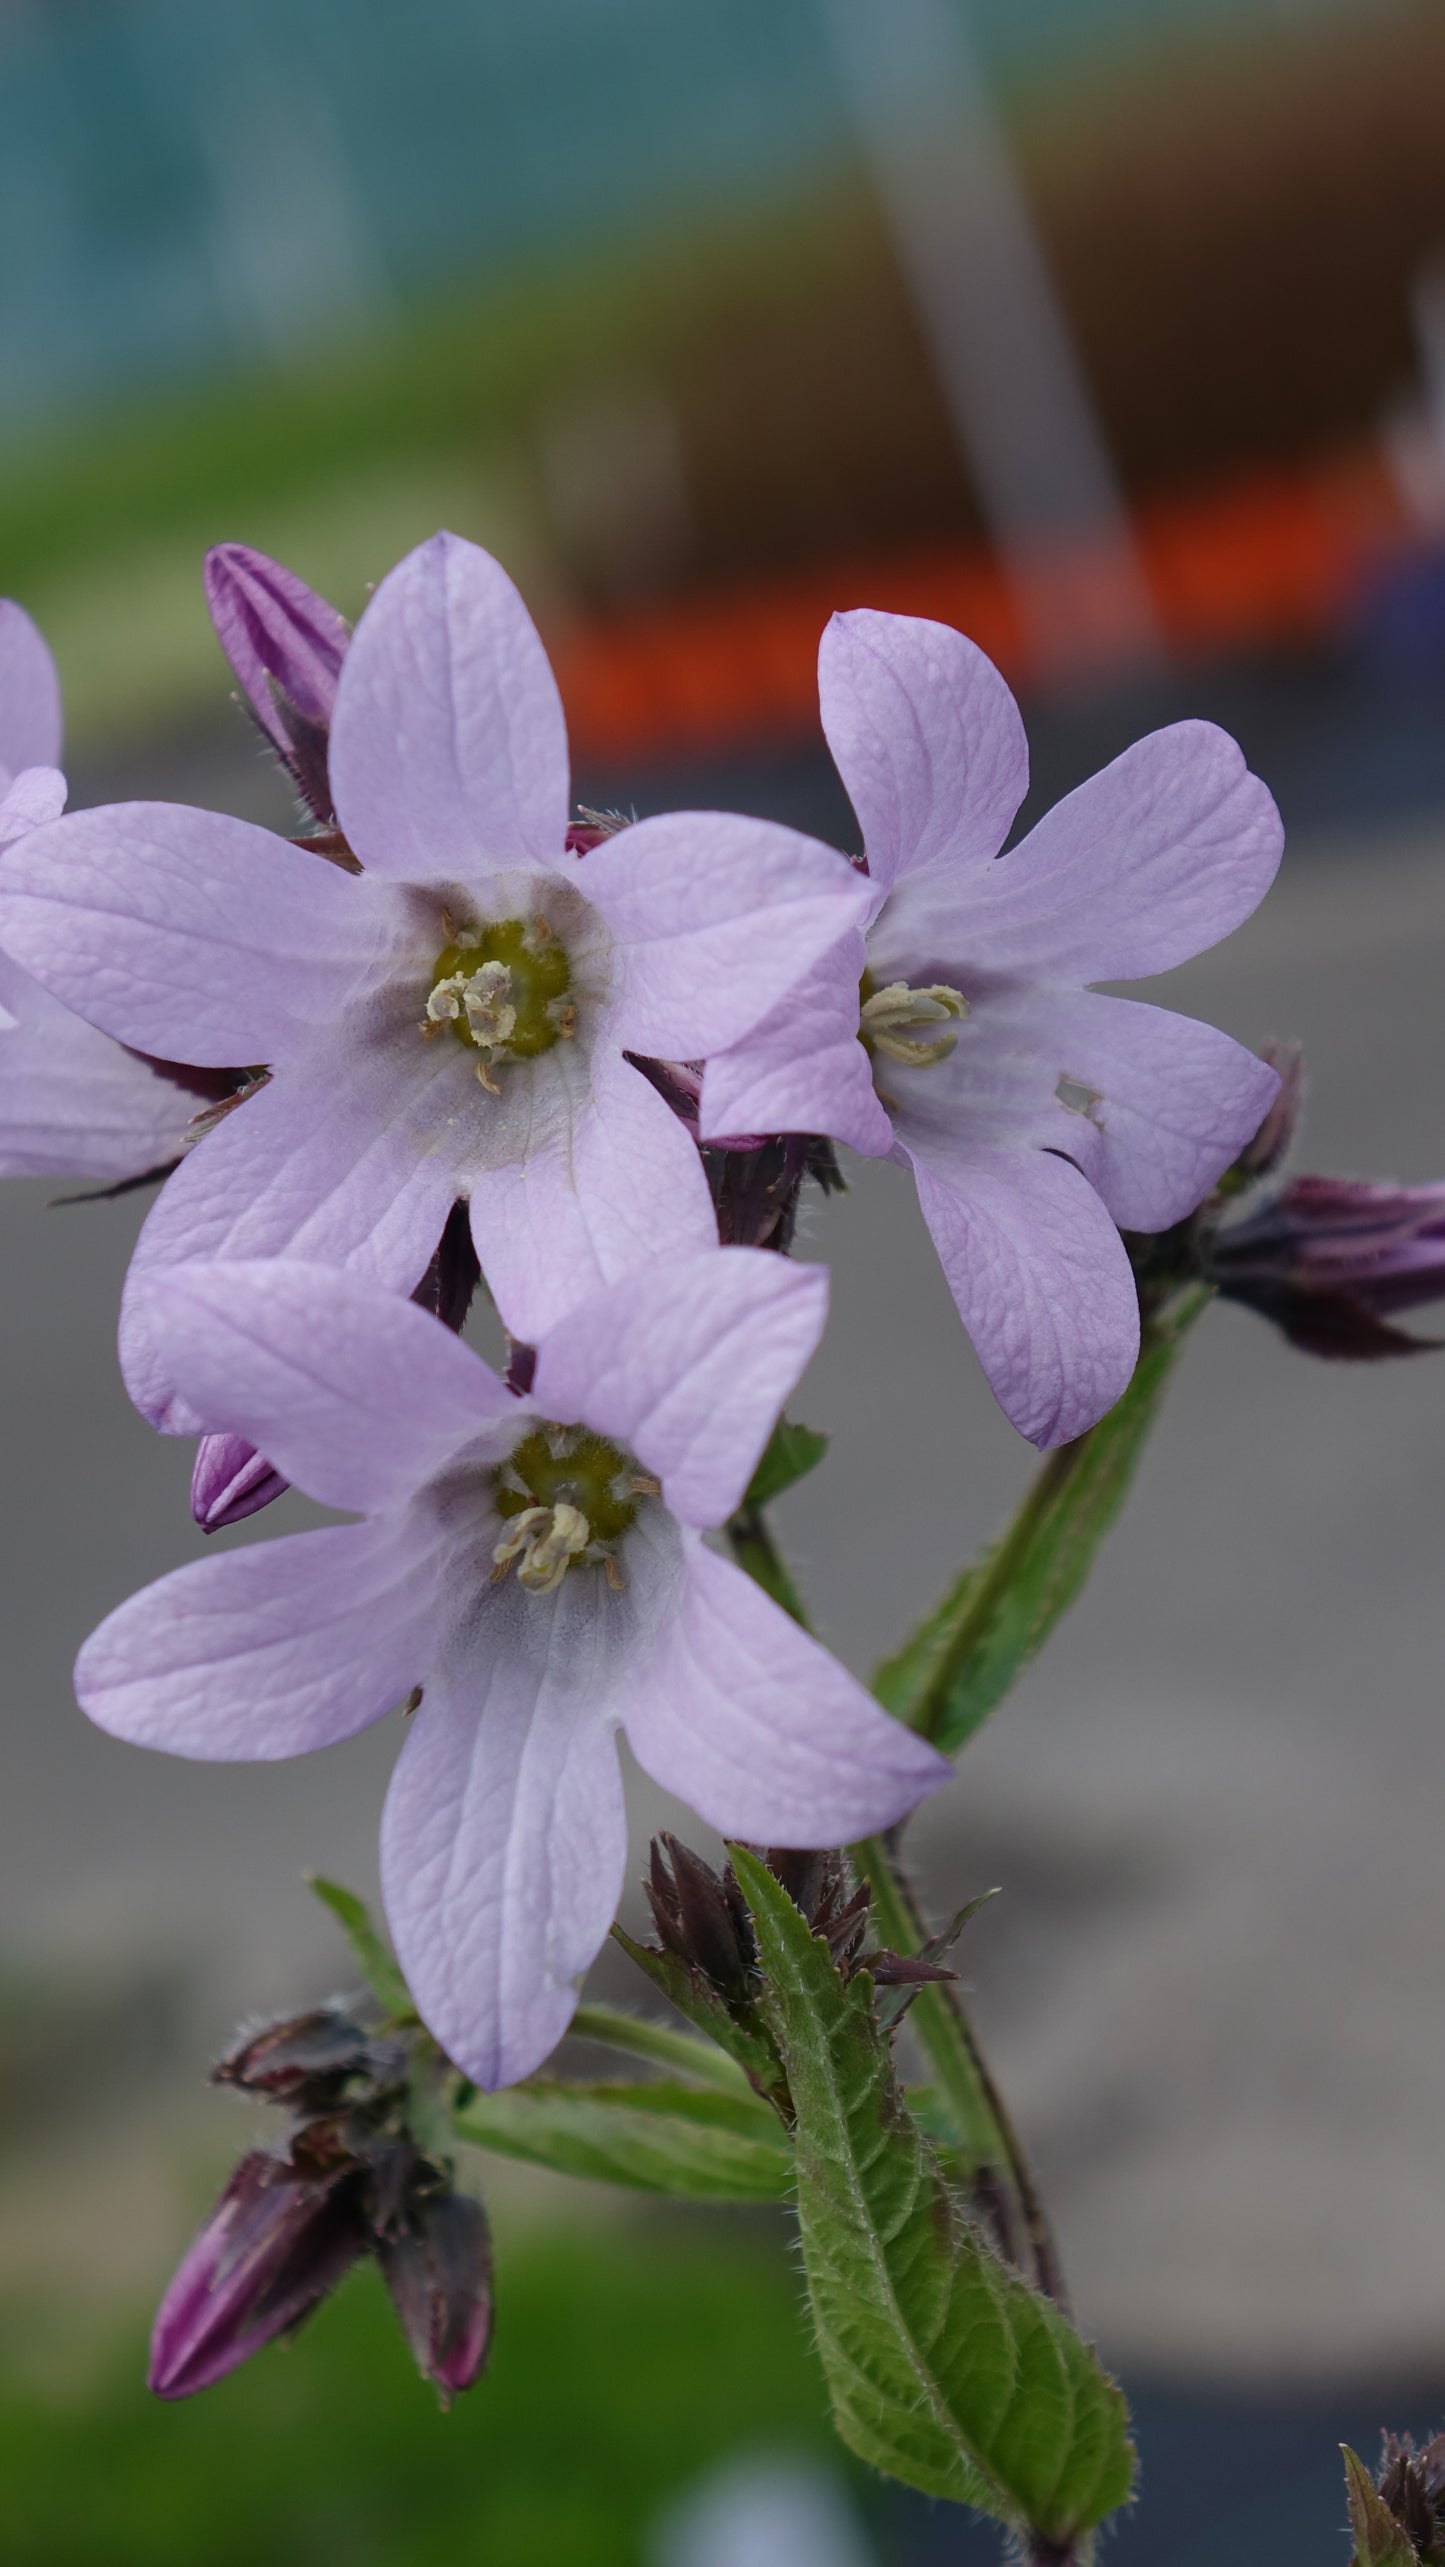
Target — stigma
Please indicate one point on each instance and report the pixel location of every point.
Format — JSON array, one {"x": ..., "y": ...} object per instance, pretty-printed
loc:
[
  {"x": 503, "y": 990},
  {"x": 891, "y": 1021}
]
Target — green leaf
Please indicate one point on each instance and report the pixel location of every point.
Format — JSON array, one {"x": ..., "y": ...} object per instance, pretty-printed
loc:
[
  {"x": 944, "y": 2368},
  {"x": 963, "y": 1659},
  {"x": 792, "y": 1452},
  {"x": 1379, "y": 2540},
  {"x": 659, "y": 2138},
  {"x": 373, "y": 1954}
]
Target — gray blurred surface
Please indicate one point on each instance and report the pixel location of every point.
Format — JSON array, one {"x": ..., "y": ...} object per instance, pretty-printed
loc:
[{"x": 1211, "y": 1984}]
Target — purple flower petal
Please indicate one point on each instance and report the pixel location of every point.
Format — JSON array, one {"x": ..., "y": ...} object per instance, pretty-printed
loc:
[
  {"x": 803, "y": 1068},
  {"x": 505, "y": 1838},
  {"x": 448, "y": 747},
  {"x": 1153, "y": 1107},
  {"x": 189, "y": 935},
  {"x": 687, "y": 1364},
  {"x": 609, "y": 1179},
  {"x": 716, "y": 917},
  {"x": 1041, "y": 1280},
  {"x": 30, "y": 716},
  {"x": 271, "y": 626},
  {"x": 336, "y": 1169},
  {"x": 767, "y": 1737},
  {"x": 37, "y": 795},
  {"x": 927, "y": 739},
  {"x": 1150, "y": 862},
  {"x": 359, "y": 1410},
  {"x": 268, "y": 1651},
  {"x": 72, "y": 1102}
]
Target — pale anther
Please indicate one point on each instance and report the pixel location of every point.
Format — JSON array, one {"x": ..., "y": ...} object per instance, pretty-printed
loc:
[
  {"x": 885, "y": 1015},
  {"x": 544, "y": 1540}
]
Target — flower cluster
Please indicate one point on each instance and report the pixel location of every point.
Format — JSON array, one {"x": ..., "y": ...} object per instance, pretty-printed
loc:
[{"x": 447, "y": 1029}]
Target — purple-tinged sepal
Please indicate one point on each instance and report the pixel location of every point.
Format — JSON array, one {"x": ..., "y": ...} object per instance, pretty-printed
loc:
[
  {"x": 278, "y": 2241},
  {"x": 286, "y": 646},
  {"x": 1333, "y": 1260},
  {"x": 437, "y": 2264},
  {"x": 231, "y": 1480},
  {"x": 1274, "y": 1139}
]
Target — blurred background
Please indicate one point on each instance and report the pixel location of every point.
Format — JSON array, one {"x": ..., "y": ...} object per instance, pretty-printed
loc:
[{"x": 1112, "y": 331}]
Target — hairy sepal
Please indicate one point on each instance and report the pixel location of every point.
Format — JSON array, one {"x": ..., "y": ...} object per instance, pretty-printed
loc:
[{"x": 1380, "y": 2541}]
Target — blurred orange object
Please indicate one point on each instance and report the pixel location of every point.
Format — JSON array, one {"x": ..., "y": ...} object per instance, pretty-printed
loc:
[{"x": 1270, "y": 560}]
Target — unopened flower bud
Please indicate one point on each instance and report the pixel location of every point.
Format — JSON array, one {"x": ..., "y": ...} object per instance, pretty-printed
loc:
[
  {"x": 305, "y": 2060},
  {"x": 437, "y": 2266},
  {"x": 276, "y": 2243},
  {"x": 1331, "y": 1261},
  {"x": 1412, "y": 2488},
  {"x": 286, "y": 646},
  {"x": 231, "y": 1480},
  {"x": 701, "y": 1917}
]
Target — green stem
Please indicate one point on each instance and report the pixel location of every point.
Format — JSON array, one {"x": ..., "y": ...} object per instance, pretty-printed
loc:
[{"x": 680, "y": 2051}]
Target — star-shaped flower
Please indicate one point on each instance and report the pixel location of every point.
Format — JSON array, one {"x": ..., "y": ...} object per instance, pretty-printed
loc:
[
  {"x": 72, "y": 1103},
  {"x": 1038, "y": 1115},
  {"x": 537, "y": 1566},
  {"x": 454, "y": 1021}
]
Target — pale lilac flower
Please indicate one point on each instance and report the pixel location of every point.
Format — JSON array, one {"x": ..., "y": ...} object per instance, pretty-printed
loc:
[
  {"x": 286, "y": 646},
  {"x": 72, "y": 1103},
  {"x": 1035, "y": 1113},
  {"x": 537, "y": 1566},
  {"x": 1333, "y": 1261},
  {"x": 455, "y": 1022}
]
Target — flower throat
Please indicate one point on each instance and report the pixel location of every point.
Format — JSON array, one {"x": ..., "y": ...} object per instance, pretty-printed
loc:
[{"x": 504, "y": 991}]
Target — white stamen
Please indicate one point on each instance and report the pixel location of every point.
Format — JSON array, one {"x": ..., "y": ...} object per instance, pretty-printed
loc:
[
  {"x": 487, "y": 997},
  {"x": 546, "y": 1541},
  {"x": 884, "y": 1016}
]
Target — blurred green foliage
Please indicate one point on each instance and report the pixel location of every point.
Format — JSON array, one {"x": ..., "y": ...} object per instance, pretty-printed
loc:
[{"x": 627, "y": 2360}]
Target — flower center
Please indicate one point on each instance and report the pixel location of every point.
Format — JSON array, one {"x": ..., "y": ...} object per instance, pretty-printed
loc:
[
  {"x": 566, "y": 1497},
  {"x": 504, "y": 992},
  {"x": 894, "y": 1020}
]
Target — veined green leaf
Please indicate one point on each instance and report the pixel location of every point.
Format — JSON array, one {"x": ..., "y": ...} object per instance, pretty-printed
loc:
[
  {"x": 372, "y": 1952},
  {"x": 658, "y": 2138},
  {"x": 963, "y": 1659},
  {"x": 792, "y": 1452},
  {"x": 944, "y": 2368},
  {"x": 1379, "y": 2540}
]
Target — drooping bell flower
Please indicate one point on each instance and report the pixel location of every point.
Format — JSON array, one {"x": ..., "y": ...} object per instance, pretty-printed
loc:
[
  {"x": 456, "y": 1022},
  {"x": 955, "y": 1031},
  {"x": 536, "y": 1565}
]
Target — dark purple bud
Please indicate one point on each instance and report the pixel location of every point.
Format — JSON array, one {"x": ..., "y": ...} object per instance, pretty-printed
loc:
[
  {"x": 438, "y": 2269},
  {"x": 700, "y": 1917},
  {"x": 1412, "y": 2488},
  {"x": 286, "y": 646},
  {"x": 593, "y": 827},
  {"x": 447, "y": 1287},
  {"x": 1331, "y": 1260},
  {"x": 306, "y": 2059},
  {"x": 231, "y": 1480},
  {"x": 276, "y": 2243}
]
